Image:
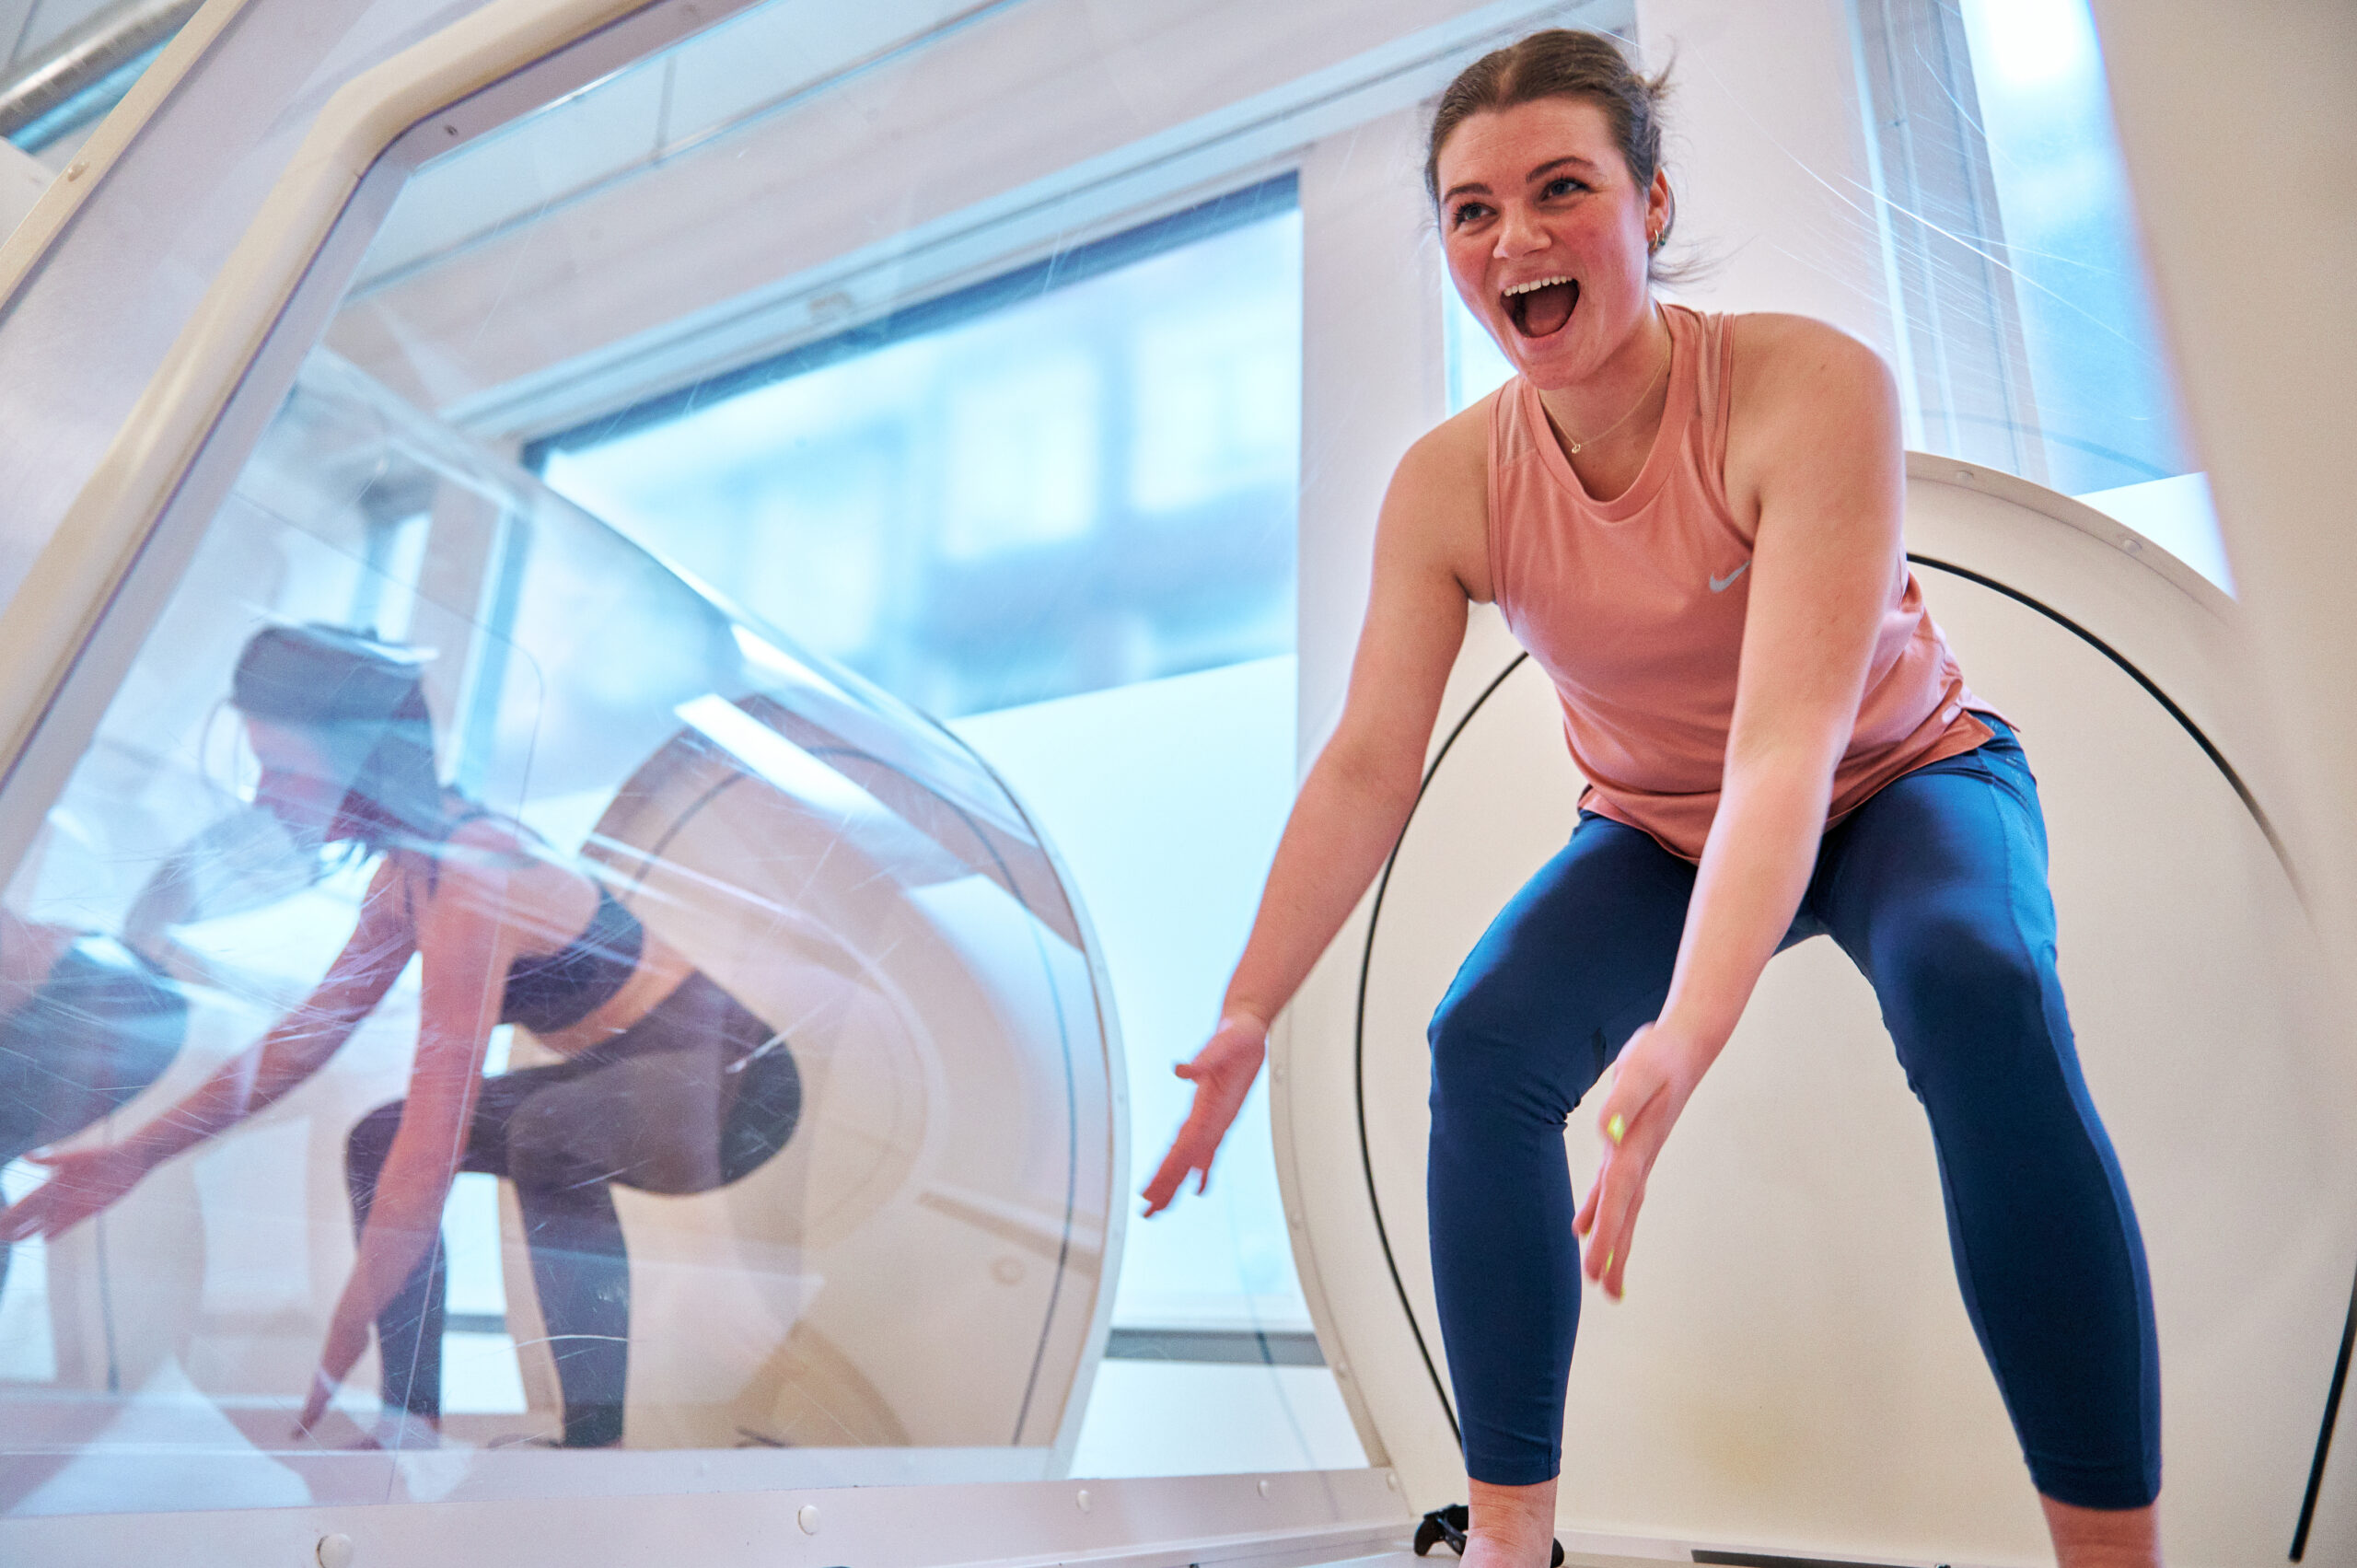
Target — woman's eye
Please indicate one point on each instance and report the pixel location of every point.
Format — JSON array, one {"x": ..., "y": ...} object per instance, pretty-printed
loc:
[
  {"x": 1467, "y": 212},
  {"x": 1563, "y": 185}
]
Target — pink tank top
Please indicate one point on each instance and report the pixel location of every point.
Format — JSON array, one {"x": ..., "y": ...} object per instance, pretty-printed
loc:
[{"x": 1634, "y": 608}]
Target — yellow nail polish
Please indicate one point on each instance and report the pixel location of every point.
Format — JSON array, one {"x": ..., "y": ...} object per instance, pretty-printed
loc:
[
  {"x": 1616, "y": 1128},
  {"x": 1608, "y": 1254}
]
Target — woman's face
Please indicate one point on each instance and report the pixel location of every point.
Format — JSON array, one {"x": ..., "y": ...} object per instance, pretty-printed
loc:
[
  {"x": 1539, "y": 194},
  {"x": 299, "y": 784}
]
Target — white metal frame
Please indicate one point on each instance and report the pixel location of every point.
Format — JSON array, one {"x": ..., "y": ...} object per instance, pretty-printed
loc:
[{"x": 1281, "y": 1521}]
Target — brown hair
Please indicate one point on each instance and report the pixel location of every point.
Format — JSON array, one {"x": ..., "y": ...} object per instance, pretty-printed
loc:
[{"x": 1561, "y": 63}]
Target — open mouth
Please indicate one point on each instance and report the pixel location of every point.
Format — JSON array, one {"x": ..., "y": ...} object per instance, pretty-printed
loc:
[{"x": 1539, "y": 309}]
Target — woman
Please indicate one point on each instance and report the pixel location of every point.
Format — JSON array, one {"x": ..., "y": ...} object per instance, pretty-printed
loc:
[
  {"x": 1693, "y": 522},
  {"x": 668, "y": 1085}
]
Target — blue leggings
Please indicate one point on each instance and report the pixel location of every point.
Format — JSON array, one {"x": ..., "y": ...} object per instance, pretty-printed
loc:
[{"x": 1937, "y": 889}]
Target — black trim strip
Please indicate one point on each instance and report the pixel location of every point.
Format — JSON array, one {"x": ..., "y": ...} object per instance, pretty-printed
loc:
[
  {"x": 1358, "y": 1052},
  {"x": 2185, "y": 722},
  {"x": 2324, "y": 1433},
  {"x": 1375, "y": 918}
]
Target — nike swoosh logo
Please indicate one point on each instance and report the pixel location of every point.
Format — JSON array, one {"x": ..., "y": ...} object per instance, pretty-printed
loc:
[{"x": 1721, "y": 585}]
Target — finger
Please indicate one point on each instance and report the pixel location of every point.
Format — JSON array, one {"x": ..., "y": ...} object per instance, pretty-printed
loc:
[
  {"x": 1616, "y": 1274},
  {"x": 1633, "y": 1090},
  {"x": 1622, "y": 1194},
  {"x": 29, "y": 1218},
  {"x": 1611, "y": 1200},
  {"x": 1186, "y": 1070},
  {"x": 1167, "y": 1182}
]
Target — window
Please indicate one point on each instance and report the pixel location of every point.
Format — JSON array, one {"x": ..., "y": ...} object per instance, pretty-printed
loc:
[
  {"x": 1075, "y": 477},
  {"x": 2026, "y": 335},
  {"x": 1057, "y": 511}
]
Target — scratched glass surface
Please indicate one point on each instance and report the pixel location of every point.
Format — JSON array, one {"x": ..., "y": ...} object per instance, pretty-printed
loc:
[{"x": 822, "y": 1166}]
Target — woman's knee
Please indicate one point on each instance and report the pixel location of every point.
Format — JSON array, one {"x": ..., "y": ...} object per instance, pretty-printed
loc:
[
  {"x": 1489, "y": 1062},
  {"x": 369, "y": 1142},
  {"x": 551, "y": 1141},
  {"x": 1965, "y": 993}
]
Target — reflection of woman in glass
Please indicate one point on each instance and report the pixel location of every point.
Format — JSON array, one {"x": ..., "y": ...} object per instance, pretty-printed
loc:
[
  {"x": 669, "y": 1084},
  {"x": 85, "y": 1024}
]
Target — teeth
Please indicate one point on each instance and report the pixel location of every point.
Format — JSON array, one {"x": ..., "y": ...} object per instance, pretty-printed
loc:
[{"x": 1535, "y": 286}]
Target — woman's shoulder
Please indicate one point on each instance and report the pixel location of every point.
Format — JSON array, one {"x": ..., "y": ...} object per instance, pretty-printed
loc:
[
  {"x": 1801, "y": 389},
  {"x": 485, "y": 843},
  {"x": 1456, "y": 452},
  {"x": 1769, "y": 345},
  {"x": 1788, "y": 369}
]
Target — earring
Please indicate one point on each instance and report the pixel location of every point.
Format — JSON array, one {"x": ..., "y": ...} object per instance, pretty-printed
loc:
[{"x": 1654, "y": 240}]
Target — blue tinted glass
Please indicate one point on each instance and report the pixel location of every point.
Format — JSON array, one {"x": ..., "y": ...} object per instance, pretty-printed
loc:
[
  {"x": 1476, "y": 365},
  {"x": 1090, "y": 487},
  {"x": 2101, "y": 383}
]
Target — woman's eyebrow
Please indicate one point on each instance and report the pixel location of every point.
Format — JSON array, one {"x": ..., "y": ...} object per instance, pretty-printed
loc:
[
  {"x": 1555, "y": 163},
  {"x": 1471, "y": 187}
]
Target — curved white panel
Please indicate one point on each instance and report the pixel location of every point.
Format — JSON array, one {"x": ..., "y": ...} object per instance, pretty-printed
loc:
[{"x": 1793, "y": 1366}]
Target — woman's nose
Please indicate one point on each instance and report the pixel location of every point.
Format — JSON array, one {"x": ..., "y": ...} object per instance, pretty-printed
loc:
[{"x": 1519, "y": 234}]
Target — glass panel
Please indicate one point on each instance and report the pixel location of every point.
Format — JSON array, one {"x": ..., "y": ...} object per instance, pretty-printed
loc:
[
  {"x": 445, "y": 869},
  {"x": 2026, "y": 327},
  {"x": 1056, "y": 509},
  {"x": 1073, "y": 477}
]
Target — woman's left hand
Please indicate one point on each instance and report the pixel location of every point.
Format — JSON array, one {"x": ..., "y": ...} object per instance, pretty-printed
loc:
[
  {"x": 1656, "y": 1074},
  {"x": 336, "y": 1358}
]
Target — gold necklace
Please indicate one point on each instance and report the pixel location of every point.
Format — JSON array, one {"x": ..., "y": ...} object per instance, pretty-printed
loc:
[{"x": 1575, "y": 446}]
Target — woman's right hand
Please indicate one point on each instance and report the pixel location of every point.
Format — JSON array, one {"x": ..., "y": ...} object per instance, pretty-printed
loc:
[
  {"x": 81, "y": 1182},
  {"x": 1222, "y": 1072}
]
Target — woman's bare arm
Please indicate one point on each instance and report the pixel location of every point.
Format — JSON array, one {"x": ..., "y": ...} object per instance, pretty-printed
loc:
[
  {"x": 84, "y": 1182},
  {"x": 1819, "y": 446},
  {"x": 467, "y": 945},
  {"x": 1429, "y": 562}
]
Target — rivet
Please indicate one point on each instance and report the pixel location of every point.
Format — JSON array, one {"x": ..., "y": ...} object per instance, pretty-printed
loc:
[
  {"x": 807, "y": 1517},
  {"x": 1080, "y": 1500},
  {"x": 1963, "y": 475},
  {"x": 1266, "y": 1488},
  {"x": 334, "y": 1551},
  {"x": 1391, "y": 1480},
  {"x": 75, "y": 172},
  {"x": 2130, "y": 543}
]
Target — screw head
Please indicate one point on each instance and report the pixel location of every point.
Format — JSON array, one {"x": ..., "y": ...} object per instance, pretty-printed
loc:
[
  {"x": 333, "y": 1551},
  {"x": 1266, "y": 1488},
  {"x": 807, "y": 1517},
  {"x": 1080, "y": 1500}
]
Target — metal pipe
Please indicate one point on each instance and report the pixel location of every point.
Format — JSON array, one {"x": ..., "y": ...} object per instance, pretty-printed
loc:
[{"x": 86, "y": 56}]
